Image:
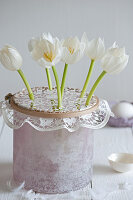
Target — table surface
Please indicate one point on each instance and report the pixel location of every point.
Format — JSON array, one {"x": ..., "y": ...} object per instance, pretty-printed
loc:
[{"x": 106, "y": 141}]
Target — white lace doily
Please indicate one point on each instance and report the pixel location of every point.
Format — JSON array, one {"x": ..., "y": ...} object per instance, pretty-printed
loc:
[
  {"x": 46, "y": 101},
  {"x": 94, "y": 120}
]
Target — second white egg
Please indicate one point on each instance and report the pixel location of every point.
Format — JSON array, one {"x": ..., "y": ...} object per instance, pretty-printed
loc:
[{"x": 123, "y": 109}]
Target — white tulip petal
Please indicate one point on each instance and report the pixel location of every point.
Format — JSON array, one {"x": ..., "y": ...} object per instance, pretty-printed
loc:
[
  {"x": 84, "y": 38},
  {"x": 110, "y": 61},
  {"x": 75, "y": 57},
  {"x": 47, "y": 37},
  {"x": 91, "y": 49},
  {"x": 44, "y": 46},
  {"x": 100, "y": 49},
  {"x": 114, "y": 45},
  {"x": 66, "y": 56},
  {"x": 57, "y": 47},
  {"x": 37, "y": 52},
  {"x": 5, "y": 60},
  {"x": 43, "y": 63},
  {"x": 111, "y": 64},
  {"x": 118, "y": 68},
  {"x": 76, "y": 43},
  {"x": 31, "y": 44},
  {"x": 15, "y": 57},
  {"x": 82, "y": 46},
  {"x": 57, "y": 59},
  {"x": 121, "y": 51},
  {"x": 50, "y": 38},
  {"x": 117, "y": 51},
  {"x": 121, "y": 66}
]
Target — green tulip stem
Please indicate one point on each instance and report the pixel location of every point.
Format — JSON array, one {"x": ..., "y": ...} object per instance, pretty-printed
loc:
[
  {"x": 26, "y": 84},
  {"x": 87, "y": 79},
  {"x": 49, "y": 79},
  {"x": 58, "y": 87},
  {"x": 94, "y": 87},
  {"x": 64, "y": 79}
]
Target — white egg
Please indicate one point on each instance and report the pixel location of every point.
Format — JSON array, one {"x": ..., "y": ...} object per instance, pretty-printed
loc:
[{"x": 123, "y": 109}]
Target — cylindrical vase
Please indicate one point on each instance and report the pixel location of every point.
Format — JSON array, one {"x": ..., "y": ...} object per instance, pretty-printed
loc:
[{"x": 52, "y": 162}]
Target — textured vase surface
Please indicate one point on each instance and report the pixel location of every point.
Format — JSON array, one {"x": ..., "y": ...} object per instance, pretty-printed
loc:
[{"x": 53, "y": 162}]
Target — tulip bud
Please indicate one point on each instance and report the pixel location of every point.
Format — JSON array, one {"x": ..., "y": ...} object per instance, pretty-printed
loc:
[
  {"x": 10, "y": 58},
  {"x": 115, "y": 60},
  {"x": 95, "y": 48}
]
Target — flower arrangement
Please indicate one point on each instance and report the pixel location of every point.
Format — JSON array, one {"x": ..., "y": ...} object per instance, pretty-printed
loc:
[
  {"x": 53, "y": 170},
  {"x": 47, "y": 51}
]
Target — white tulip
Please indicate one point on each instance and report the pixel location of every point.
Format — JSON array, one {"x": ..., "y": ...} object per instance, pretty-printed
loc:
[
  {"x": 115, "y": 60},
  {"x": 73, "y": 50},
  {"x": 10, "y": 58},
  {"x": 46, "y": 50},
  {"x": 94, "y": 49}
]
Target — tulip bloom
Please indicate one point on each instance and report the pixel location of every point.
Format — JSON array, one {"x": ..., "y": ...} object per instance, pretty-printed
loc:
[
  {"x": 12, "y": 60},
  {"x": 47, "y": 51},
  {"x": 73, "y": 50},
  {"x": 113, "y": 62},
  {"x": 95, "y": 50}
]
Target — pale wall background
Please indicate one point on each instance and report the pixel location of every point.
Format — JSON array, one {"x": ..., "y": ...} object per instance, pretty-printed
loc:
[{"x": 109, "y": 19}]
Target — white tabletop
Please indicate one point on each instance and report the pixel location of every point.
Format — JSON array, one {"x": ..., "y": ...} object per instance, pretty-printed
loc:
[{"x": 106, "y": 141}]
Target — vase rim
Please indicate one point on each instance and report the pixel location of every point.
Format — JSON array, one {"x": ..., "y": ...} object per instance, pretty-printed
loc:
[{"x": 55, "y": 114}]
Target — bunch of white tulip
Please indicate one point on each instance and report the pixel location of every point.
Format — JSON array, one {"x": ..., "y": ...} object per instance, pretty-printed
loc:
[{"x": 48, "y": 51}]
